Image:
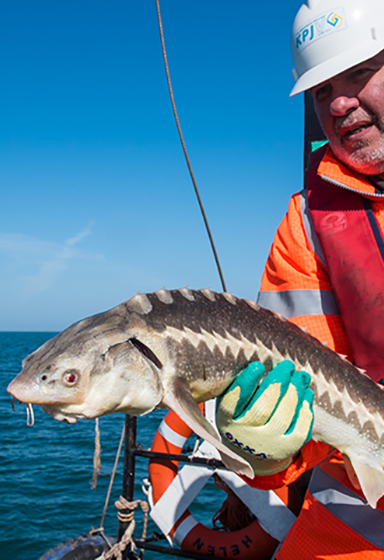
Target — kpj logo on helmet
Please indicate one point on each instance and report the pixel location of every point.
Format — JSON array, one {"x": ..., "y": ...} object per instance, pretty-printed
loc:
[{"x": 320, "y": 26}]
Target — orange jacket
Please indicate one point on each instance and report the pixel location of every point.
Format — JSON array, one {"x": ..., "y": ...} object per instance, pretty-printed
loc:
[{"x": 296, "y": 282}]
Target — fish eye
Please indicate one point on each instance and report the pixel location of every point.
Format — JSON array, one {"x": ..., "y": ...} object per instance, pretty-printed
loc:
[{"x": 70, "y": 377}]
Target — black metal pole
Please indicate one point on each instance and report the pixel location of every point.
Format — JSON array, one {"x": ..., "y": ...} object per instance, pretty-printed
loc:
[
  {"x": 129, "y": 467},
  {"x": 198, "y": 461}
]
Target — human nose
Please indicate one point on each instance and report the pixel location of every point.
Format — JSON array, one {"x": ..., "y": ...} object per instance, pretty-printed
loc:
[{"x": 342, "y": 105}]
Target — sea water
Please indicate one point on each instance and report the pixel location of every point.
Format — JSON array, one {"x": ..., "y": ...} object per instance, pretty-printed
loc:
[{"x": 46, "y": 470}]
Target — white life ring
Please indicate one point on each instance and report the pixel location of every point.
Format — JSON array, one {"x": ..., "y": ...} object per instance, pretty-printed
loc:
[{"x": 174, "y": 490}]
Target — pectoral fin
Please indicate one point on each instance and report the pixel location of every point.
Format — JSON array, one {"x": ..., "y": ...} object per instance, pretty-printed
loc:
[
  {"x": 371, "y": 479},
  {"x": 180, "y": 400}
]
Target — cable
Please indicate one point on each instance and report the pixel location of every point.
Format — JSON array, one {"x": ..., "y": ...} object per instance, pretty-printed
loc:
[{"x": 184, "y": 146}]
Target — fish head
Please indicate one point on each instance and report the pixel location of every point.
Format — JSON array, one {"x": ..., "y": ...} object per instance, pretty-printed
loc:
[
  {"x": 80, "y": 374},
  {"x": 48, "y": 378}
]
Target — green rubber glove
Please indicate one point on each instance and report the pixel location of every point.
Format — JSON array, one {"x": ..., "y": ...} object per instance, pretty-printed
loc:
[{"x": 267, "y": 418}]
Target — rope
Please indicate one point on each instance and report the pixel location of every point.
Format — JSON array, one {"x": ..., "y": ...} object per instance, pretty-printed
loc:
[
  {"x": 118, "y": 549},
  {"x": 112, "y": 476},
  {"x": 100, "y": 529},
  {"x": 96, "y": 456},
  {"x": 123, "y": 504},
  {"x": 126, "y": 514},
  {"x": 184, "y": 146}
]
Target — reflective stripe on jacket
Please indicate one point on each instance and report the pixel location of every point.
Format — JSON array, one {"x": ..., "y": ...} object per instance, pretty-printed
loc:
[
  {"x": 302, "y": 282},
  {"x": 335, "y": 522}
]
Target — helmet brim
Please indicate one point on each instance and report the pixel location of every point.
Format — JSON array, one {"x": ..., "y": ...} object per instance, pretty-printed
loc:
[{"x": 331, "y": 68}]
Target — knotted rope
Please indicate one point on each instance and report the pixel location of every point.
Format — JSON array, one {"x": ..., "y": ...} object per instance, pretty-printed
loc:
[
  {"x": 125, "y": 515},
  {"x": 123, "y": 504}
]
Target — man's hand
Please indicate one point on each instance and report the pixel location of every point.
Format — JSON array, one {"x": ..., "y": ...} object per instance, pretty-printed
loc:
[{"x": 267, "y": 422}]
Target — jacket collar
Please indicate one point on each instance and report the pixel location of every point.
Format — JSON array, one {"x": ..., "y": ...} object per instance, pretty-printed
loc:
[{"x": 335, "y": 172}]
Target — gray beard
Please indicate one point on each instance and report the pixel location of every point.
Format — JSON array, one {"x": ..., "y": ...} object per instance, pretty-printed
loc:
[{"x": 370, "y": 162}]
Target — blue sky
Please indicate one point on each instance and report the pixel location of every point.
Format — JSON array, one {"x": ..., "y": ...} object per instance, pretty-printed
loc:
[{"x": 96, "y": 200}]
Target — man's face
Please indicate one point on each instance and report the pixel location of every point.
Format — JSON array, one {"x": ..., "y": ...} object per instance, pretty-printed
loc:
[{"x": 350, "y": 108}]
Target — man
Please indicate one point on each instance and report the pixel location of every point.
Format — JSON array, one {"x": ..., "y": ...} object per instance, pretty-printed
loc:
[{"x": 325, "y": 271}]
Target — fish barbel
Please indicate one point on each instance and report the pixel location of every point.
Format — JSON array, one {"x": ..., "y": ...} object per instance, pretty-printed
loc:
[{"x": 178, "y": 348}]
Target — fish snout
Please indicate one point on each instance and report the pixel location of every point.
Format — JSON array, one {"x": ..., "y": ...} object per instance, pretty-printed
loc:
[
  {"x": 18, "y": 390},
  {"x": 47, "y": 387}
]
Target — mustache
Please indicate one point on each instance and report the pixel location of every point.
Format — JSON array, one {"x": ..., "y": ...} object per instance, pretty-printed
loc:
[{"x": 367, "y": 117}]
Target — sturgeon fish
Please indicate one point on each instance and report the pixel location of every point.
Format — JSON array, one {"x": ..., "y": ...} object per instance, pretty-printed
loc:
[{"x": 178, "y": 348}]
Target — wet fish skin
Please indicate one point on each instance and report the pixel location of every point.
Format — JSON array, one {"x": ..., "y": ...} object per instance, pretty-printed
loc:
[{"x": 176, "y": 348}]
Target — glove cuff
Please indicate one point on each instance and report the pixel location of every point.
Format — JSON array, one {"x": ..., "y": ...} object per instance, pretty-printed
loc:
[{"x": 266, "y": 467}]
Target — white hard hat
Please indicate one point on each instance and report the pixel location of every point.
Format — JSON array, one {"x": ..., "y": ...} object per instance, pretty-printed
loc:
[{"x": 329, "y": 37}]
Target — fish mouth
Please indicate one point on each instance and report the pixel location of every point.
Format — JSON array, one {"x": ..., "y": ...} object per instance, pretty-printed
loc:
[
  {"x": 58, "y": 415},
  {"x": 52, "y": 411}
]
